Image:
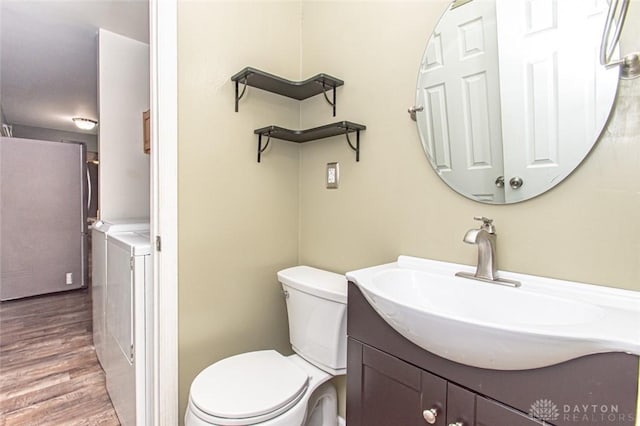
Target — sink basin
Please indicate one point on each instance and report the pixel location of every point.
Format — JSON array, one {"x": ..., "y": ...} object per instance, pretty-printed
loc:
[{"x": 541, "y": 323}]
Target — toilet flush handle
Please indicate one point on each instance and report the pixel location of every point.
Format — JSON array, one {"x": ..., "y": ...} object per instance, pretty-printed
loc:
[{"x": 286, "y": 293}]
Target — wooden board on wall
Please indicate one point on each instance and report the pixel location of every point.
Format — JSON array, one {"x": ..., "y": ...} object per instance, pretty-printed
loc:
[{"x": 146, "y": 129}]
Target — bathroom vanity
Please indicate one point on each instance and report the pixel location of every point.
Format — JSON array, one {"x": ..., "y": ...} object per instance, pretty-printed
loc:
[{"x": 392, "y": 381}]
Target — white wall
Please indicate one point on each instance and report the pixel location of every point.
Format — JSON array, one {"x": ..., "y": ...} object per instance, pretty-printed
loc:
[{"x": 123, "y": 95}]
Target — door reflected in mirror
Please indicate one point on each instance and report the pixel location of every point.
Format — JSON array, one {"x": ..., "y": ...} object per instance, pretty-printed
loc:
[{"x": 513, "y": 93}]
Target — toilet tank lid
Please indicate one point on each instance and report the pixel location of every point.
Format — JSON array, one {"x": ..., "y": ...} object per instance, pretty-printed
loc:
[{"x": 317, "y": 282}]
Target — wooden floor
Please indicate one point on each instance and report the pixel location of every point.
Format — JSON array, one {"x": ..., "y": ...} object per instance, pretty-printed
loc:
[{"x": 49, "y": 373}]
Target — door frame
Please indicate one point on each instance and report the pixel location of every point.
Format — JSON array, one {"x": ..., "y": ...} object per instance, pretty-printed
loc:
[{"x": 163, "y": 330}]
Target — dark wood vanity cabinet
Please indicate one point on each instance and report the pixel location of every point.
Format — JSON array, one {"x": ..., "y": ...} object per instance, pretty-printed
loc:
[
  {"x": 491, "y": 413},
  {"x": 393, "y": 392},
  {"x": 392, "y": 382},
  {"x": 388, "y": 382}
]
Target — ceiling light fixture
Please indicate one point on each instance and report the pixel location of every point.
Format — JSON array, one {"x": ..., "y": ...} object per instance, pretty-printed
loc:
[{"x": 84, "y": 123}]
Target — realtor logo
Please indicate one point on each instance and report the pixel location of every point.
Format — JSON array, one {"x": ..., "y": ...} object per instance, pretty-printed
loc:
[{"x": 544, "y": 409}]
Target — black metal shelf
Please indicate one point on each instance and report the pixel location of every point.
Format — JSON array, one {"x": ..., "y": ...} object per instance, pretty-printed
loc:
[
  {"x": 301, "y": 136},
  {"x": 299, "y": 90}
]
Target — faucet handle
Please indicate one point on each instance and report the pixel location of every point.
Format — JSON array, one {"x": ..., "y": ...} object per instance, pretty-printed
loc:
[
  {"x": 486, "y": 220},
  {"x": 487, "y": 224}
]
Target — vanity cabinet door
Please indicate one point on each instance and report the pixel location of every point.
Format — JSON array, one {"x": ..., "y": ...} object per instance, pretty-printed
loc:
[
  {"x": 390, "y": 392},
  {"x": 491, "y": 413},
  {"x": 383, "y": 390},
  {"x": 461, "y": 406}
]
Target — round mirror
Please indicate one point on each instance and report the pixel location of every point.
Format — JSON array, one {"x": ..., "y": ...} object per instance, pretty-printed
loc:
[{"x": 511, "y": 96}]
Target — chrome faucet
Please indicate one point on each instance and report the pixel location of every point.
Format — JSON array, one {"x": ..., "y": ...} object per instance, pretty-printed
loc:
[
  {"x": 487, "y": 268},
  {"x": 485, "y": 238}
]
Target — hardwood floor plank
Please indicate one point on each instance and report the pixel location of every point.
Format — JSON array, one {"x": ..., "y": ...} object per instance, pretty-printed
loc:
[
  {"x": 25, "y": 334},
  {"x": 42, "y": 348},
  {"x": 22, "y": 396},
  {"x": 41, "y": 368},
  {"x": 49, "y": 372},
  {"x": 73, "y": 407}
]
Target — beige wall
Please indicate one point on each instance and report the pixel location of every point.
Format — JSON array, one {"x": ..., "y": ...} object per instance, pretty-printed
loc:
[
  {"x": 630, "y": 39},
  {"x": 392, "y": 202},
  {"x": 238, "y": 220}
]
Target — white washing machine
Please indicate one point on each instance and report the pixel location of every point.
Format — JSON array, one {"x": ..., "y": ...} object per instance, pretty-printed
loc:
[
  {"x": 99, "y": 232},
  {"x": 127, "y": 294}
]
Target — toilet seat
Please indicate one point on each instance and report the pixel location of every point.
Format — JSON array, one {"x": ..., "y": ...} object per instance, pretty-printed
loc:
[{"x": 248, "y": 388}]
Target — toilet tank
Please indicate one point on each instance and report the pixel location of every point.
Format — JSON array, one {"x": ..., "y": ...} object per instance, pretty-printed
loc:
[{"x": 317, "y": 311}]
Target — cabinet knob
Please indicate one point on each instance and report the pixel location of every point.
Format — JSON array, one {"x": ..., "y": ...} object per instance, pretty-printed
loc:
[
  {"x": 456, "y": 424},
  {"x": 430, "y": 415}
]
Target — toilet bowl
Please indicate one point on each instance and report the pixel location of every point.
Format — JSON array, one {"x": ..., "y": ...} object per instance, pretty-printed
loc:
[
  {"x": 271, "y": 390},
  {"x": 268, "y": 389}
]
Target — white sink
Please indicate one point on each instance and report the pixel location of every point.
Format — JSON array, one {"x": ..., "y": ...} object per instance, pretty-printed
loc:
[{"x": 542, "y": 322}]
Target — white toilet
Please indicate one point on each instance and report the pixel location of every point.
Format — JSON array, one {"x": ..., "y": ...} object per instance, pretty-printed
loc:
[{"x": 266, "y": 388}]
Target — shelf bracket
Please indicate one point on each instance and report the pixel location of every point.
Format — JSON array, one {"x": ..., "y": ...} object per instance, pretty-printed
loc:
[
  {"x": 244, "y": 89},
  {"x": 324, "y": 92},
  {"x": 260, "y": 147},
  {"x": 357, "y": 147}
]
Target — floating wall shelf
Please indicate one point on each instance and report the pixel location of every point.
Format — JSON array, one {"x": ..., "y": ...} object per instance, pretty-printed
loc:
[
  {"x": 299, "y": 90},
  {"x": 301, "y": 136}
]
